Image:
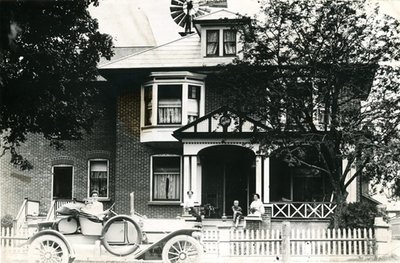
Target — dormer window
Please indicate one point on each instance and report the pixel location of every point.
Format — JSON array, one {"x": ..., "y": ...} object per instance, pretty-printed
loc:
[
  {"x": 212, "y": 43},
  {"x": 221, "y": 42},
  {"x": 229, "y": 43}
]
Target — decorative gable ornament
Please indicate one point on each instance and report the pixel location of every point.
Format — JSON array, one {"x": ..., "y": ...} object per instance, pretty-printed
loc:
[{"x": 221, "y": 123}]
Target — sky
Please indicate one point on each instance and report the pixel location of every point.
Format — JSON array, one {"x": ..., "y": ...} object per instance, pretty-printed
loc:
[{"x": 126, "y": 21}]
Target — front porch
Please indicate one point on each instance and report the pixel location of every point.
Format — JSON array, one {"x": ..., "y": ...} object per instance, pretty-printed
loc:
[{"x": 222, "y": 163}]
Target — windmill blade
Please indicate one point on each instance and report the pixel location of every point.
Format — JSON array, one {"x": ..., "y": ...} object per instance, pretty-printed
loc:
[
  {"x": 175, "y": 9},
  {"x": 177, "y": 2},
  {"x": 182, "y": 23},
  {"x": 177, "y": 16}
]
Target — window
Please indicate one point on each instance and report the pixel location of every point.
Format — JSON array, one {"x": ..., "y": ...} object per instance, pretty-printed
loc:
[
  {"x": 193, "y": 103},
  {"x": 166, "y": 178},
  {"x": 212, "y": 45},
  {"x": 62, "y": 181},
  {"x": 229, "y": 42},
  {"x": 148, "y": 100},
  {"x": 220, "y": 42},
  {"x": 169, "y": 104},
  {"x": 98, "y": 177}
]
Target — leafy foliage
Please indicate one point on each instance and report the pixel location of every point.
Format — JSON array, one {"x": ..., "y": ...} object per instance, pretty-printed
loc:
[
  {"x": 358, "y": 215},
  {"x": 48, "y": 62},
  {"x": 7, "y": 221},
  {"x": 318, "y": 73}
]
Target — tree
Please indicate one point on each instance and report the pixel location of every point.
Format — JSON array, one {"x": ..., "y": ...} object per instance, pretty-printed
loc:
[
  {"x": 49, "y": 53},
  {"x": 318, "y": 73}
]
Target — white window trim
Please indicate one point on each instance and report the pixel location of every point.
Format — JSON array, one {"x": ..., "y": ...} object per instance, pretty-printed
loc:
[
  {"x": 176, "y": 78},
  {"x": 166, "y": 202},
  {"x": 220, "y": 44},
  {"x": 73, "y": 179},
  {"x": 108, "y": 179}
]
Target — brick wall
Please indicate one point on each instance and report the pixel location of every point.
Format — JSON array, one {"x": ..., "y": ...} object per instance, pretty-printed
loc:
[
  {"x": 117, "y": 138},
  {"x": 133, "y": 166},
  {"x": 36, "y": 184}
]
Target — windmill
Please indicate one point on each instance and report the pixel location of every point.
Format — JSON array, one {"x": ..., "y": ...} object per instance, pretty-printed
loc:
[{"x": 183, "y": 12}]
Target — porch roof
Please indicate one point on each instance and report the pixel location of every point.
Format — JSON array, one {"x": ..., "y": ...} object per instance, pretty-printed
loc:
[{"x": 221, "y": 123}]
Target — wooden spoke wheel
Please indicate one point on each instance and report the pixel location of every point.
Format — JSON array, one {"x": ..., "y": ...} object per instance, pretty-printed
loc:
[
  {"x": 48, "y": 249},
  {"x": 182, "y": 248}
]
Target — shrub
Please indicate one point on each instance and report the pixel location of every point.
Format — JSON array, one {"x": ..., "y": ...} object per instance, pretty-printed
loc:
[
  {"x": 7, "y": 220},
  {"x": 357, "y": 215}
]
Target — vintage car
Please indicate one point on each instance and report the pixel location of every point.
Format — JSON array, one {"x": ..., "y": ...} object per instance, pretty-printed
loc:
[{"x": 62, "y": 240}]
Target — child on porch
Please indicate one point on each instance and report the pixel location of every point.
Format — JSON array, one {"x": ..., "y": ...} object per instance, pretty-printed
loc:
[{"x": 237, "y": 213}]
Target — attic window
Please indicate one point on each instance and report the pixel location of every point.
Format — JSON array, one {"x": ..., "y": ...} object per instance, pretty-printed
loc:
[
  {"x": 229, "y": 42},
  {"x": 220, "y": 42},
  {"x": 212, "y": 43}
]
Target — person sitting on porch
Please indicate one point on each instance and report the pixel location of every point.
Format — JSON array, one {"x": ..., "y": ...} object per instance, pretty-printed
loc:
[
  {"x": 237, "y": 213},
  {"x": 189, "y": 206},
  {"x": 256, "y": 207}
]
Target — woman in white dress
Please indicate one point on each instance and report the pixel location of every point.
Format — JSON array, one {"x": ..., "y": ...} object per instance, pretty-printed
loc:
[{"x": 257, "y": 207}]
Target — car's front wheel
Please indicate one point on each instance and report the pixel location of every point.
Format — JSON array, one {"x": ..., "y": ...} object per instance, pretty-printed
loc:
[
  {"x": 182, "y": 248},
  {"x": 48, "y": 249}
]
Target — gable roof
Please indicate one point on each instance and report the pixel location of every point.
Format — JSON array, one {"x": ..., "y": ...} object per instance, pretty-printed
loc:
[
  {"x": 209, "y": 126},
  {"x": 183, "y": 52},
  {"x": 217, "y": 15}
]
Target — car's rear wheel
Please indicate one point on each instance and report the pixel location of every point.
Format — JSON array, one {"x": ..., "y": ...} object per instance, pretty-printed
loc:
[{"x": 48, "y": 249}]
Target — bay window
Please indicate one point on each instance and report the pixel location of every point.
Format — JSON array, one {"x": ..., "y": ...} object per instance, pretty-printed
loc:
[
  {"x": 193, "y": 103},
  {"x": 148, "y": 97},
  {"x": 166, "y": 178},
  {"x": 170, "y": 100},
  {"x": 169, "y": 104}
]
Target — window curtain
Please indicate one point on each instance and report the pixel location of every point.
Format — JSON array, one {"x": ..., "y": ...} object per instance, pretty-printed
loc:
[
  {"x": 212, "y": 43},
  {"x": 166, "y": 186},
  {"x": 98, "y": 181},
  {"x": 169, "y": 115},
  {"x": 229, "y": 42}
]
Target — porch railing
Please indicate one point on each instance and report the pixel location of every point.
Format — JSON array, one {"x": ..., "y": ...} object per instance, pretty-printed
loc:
[
  {"x": 301, "y": 210},
  {"x": 28, "y": 208}
]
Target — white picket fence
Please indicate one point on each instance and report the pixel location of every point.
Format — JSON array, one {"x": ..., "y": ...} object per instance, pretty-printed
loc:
[
  {"x": 302, "y": 242},
  {"x": 12, "y": 244}
]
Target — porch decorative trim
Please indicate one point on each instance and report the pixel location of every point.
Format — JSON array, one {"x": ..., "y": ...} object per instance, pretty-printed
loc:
[{"x": 312, "y": 210}]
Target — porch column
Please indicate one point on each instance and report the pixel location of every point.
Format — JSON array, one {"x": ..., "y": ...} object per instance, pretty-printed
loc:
[
  {"x": 266, "y": 176},
  {"x": 352, "y": 188},
  {"x": 193, "y": 178},
  {"x": 259, "y": 175},
  {"x": 186, "y": 176}
]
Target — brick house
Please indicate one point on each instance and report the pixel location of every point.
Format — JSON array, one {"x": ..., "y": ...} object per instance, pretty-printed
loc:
[{"x": 165, "y": 132}]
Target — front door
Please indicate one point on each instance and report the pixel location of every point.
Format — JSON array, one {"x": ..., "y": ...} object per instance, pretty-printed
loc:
[
  {"x": 62, "y": 182},
  {"x": 228, "y": 174}
]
